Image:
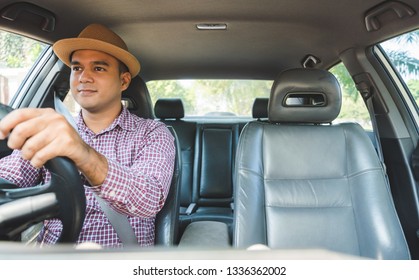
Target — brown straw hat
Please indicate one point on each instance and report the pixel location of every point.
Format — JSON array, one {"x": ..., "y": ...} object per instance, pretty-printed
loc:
[{"x": 99, "y": 38}]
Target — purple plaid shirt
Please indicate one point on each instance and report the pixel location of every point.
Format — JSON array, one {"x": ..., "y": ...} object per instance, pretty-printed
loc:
[{"x": 140, "y": 155}]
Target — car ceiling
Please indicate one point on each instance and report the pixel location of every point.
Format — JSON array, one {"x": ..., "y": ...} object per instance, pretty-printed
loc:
[{"x": 263, "y": 37}]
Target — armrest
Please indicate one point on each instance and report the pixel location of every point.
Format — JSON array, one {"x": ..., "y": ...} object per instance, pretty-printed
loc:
[{"x": 205, "y": 234}]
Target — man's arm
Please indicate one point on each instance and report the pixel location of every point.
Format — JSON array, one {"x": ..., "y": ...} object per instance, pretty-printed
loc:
[
  {"x": 141, "y": 189},
  {"x": 138, "y": 190},
  {"x": 43, "y": 134},
  {"x": 19, "y": 171}
]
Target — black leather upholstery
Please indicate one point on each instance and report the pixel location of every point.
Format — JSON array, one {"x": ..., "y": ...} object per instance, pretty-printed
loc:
[
  {"x": 139, "y": 103},
  {"x": 138, "y": 99},
  {"x": 313, "y": 186},
  {"x": 260, "y": 108},
  {"x": 208, "y": 152},
  {"x": 169, "y": 108},
  {"x": 186, "y": 134},
  {"x": 214, "y": 161},
  {"x": 166, "y": 225}
]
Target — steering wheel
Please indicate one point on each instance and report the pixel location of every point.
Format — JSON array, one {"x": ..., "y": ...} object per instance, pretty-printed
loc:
[{"x": 62, "y": 198}]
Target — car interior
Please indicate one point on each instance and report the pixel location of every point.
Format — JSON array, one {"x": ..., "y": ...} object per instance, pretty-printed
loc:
[{"x": 288, "y": 177}]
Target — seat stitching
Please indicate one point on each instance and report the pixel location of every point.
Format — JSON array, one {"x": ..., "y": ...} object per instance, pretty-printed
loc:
[
  {"x": 350, "y": 189},
  {"x": 370, "y": 170}
]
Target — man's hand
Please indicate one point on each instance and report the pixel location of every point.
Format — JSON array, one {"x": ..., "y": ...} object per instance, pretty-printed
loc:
[
  {"x": 40, "y": 134},
  {"x": 43, "y": 134}
]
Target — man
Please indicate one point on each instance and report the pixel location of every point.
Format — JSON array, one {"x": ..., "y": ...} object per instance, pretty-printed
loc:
[{"x": 126, "y": 160}]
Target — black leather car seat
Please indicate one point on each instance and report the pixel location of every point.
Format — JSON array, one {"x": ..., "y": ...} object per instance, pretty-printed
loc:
[
  {"x": 303, "y": 183},
  {"x": 138, "y": 101},
  {"x": 208, "y": 151},
  {"x": 171, "y": 111},
  {"x": 167, "y": 221}
]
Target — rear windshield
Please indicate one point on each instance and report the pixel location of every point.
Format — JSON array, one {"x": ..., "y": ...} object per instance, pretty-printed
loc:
[
  {"x": 234, "y": 98},
  {"x": 212, "y": 98}
]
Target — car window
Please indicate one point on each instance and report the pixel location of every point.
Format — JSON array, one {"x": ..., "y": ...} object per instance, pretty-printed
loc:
[
  {"x": 403, "y": 54},
  {"x": 71, "y": 104},
  {"x": 17, "y": 56},
  {"x": 212, "y": 98},
  {"x": 353, "y": 106},
  {"x": 208, "y": 97}
]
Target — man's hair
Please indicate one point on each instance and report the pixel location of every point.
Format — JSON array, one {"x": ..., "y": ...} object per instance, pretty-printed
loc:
[{"x": 122, "y": 67}]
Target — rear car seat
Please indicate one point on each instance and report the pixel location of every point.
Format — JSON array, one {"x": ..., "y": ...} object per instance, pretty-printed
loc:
[
  {"x": 171, "y": 111},
  {"x": 208, "y": 152},
  {"x": 213, "y": 171},
  {"x": 213, "y": 187},
  {"x": 137, "y": 100}
]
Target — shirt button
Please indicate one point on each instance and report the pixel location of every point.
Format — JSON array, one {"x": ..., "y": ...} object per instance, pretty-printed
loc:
[{"x": 112, "y": 194}]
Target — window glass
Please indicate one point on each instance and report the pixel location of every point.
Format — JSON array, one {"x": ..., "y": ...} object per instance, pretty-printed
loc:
[
  {"x": 229, "y": 98},
  {"x": 212, "y": 97},
  {"x": 71, "y": 104},
  {"x": 403, "y": 53},
  {"x": 17, "y": 55},
  {"x": 353, "y": 106},
  {"x": 235, "y": 97}
]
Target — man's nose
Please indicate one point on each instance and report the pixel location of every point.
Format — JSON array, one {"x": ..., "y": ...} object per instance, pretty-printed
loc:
[{"x": 86, "y": 76}]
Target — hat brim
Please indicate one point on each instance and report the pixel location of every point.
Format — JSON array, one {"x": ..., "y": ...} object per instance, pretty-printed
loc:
[{"x": 65, "y": 47}]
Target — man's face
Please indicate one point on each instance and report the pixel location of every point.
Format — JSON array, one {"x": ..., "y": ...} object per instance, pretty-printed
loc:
[{"x": 95, "y": 81}]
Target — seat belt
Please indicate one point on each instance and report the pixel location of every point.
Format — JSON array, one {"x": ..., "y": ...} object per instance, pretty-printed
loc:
[
  {"x": 370, "y": 107},
  {"x": 118, "y": 221},
  {"x": 191, "y": 209},
  {"x": 367, "y": 93}
]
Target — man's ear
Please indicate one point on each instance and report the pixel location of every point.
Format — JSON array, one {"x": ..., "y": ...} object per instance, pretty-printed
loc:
[{"x": 125, "y": 80}]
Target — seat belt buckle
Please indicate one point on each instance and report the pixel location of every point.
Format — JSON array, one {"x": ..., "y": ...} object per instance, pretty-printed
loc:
[{"x": 191, "y": 209}]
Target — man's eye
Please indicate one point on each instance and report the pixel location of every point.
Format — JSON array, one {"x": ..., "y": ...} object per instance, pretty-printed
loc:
[
  {"x": 76, "y": 68},
  {"x": 98, "y": 68}
]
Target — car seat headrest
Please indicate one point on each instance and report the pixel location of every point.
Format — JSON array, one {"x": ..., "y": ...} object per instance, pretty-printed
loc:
[
  {"x": 169, "y": 108},
  {"x": 137, "y": 99},
  {"x": 305, "y": 96},
  {"x": 260, "y": 108}
]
